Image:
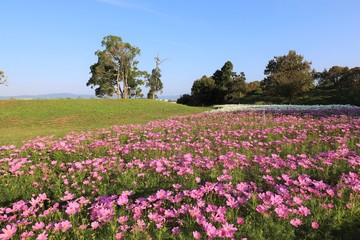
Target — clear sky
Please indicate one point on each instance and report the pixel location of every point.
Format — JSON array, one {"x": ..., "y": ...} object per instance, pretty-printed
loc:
[{"x": 47, "y": 46}]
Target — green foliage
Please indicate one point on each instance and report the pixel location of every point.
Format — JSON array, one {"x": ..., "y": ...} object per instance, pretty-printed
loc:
[
  {"x": 288, "y": 76},
  {"x": 116, "y": 63},
  {"x": 185, "y": 99},
  {"x": 253, "y": 88}
]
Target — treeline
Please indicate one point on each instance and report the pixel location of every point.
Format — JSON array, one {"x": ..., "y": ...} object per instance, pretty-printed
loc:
[{"x": 289, "y": 79}]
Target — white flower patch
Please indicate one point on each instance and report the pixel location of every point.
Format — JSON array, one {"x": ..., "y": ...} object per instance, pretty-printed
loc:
[{"x": 247, "y": 107}]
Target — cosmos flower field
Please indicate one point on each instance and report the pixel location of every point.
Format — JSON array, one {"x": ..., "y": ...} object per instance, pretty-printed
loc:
[{"x": 228, "y": 175}]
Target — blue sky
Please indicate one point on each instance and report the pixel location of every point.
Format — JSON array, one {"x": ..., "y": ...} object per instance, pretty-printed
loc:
[{"x": 47, "y": 46}]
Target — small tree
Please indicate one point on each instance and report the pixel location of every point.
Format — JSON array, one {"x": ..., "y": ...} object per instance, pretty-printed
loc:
[
  {"x": 154, "y": 81},
  {"x": 202, "y": 91},
  {"x": 223, "y": 80},
  {"x": 288, "y": 76},
  {"x": 116, "y": 64},
  {"x": 2, "y": 78}
]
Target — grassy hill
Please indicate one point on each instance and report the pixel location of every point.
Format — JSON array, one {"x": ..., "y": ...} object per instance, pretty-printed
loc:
[{"x": 26, "y": 119}]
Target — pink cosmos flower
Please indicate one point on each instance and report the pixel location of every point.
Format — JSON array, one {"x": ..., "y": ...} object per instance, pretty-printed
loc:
[
  {"x": 196, "y": 235},
  {"x": 303, "y": 211},
  {"x": 122, "y": 200},
  {"x": 175, "y": 230},
  {"x": 227, "y": 230},
  {"x": 122, "y": 219},
  {"x": 8, "y": 232},
  {"x": 83, "y": 227},
  {"x": 297, "y": 200},
  {"x": 119, "y": 236},
  {"x": 38, "y": 226},
  {"x": 276, "y": 200},
  {"x": 94, "y": 225},
  {"x": 73, "y": 208},
  {"x": 296, "y": 222},
  {"x": 315, "y": 225},
  {"x": 57, "y": 227},
  {"x": 25, "y": 235},
  {"x": 240, "y": 220},
  {"x": 65, "y": 225},
  {"x": 42, "y": 236},
  {"x": 211, "y": 231},
  {"x": 68, "y": 196}
]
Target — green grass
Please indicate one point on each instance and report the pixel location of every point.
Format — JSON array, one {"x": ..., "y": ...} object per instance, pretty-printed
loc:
[{"x": 23, "y": 120}]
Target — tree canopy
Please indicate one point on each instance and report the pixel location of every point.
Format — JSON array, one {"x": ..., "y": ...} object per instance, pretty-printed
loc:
[
  {"x": 224, "y": 85},
  {"x": 331, "y": 77},
  {"x": 288, "y": 76},
  {"x": 203, "y": 91},
  {"x": 116, "y": 63}
]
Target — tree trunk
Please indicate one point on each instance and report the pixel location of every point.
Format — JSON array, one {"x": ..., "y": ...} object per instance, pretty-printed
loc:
[
  {"x": 119, "y": 92},
  {"x": 126, "y": 90}
]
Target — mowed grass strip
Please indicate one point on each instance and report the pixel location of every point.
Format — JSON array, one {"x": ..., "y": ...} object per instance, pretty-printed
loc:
[{"x": 22, "y": 120}]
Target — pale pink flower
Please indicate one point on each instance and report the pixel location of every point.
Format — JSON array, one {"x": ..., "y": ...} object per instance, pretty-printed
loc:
[
  {"x": 57, "y": 227},
  {"x": 73, "y": 207},
  {"x": 83, "y": 227},
  {"x": 68, "y": 196},
  {"x": 94, "y": 225},
  {"x": 25, "y": 235},
  {"x": 38, "y": 226},
  {"x": 122, "y": 200},
  {"x": 42, "y": 236},
  {"x": 196, "y": 235},
  {"x": 296, "y": 222},
  {"x": 119, "y": 236},
  {"x": 303, "y": 211},
  {"x": 211, "y": 231},
  {"x": 122, "y": 219},
  {"x": 65, "y": 225},
  {"x": 8, "y": 232}
]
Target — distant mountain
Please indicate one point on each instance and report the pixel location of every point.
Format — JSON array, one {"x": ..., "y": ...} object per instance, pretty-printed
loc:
[
  {"x": 49, "y": 96},
  {"x": 169, "y": 97}
]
